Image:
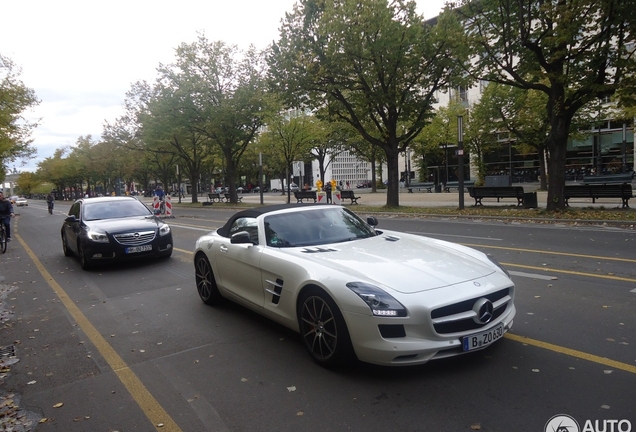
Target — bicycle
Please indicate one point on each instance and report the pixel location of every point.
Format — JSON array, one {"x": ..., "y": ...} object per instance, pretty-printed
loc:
[{"x": 3, "y": 238}]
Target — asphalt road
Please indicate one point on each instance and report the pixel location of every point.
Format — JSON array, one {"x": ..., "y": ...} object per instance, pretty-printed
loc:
[{"x": 132, "y": 348}]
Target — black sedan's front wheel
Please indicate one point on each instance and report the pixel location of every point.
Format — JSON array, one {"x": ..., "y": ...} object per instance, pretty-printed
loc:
[
  {"x": 206, "y": 284},
  {"x": 85, "y": 261},
  {"x": 323, "y": 329},
  {"x": 67, "y": 251}
]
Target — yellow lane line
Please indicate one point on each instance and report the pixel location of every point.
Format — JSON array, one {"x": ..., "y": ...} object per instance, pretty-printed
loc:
[
  {"x": 552, "y": 253},
  {"x": 148, "y": 404},
  {"x": 593, "y": 275},
  {"x": 182, "y": 250},
  {"x": 573, "y": 353}
]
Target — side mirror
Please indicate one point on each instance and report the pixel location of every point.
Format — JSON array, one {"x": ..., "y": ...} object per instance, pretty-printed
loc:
[
  {"x": 71, "y": 219},
  {"x": 371, "y": 220},
  {"x": 241, "y": 237}
]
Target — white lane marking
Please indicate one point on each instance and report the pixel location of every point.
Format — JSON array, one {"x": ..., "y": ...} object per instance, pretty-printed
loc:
[
  {"x": 532, "y": 275},
  {"x": 191, "y": 227},
  {"x": 453, "y": 235},
  {"x": 634, "y": 290}
]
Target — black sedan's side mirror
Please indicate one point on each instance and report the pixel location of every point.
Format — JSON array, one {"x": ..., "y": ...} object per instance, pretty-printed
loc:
[
  {"x": 71, "y": 219},
  {"x": 241, "y": 237}
]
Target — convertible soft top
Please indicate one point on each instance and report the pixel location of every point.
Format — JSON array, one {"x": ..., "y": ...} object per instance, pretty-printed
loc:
[{"x": 256, "y": 212}]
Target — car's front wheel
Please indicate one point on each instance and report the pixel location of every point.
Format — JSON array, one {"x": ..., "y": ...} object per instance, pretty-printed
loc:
[
  {"x": 67, "y": 251},
  {"x": 85, "y": 261},
  {"x": 206, "y": 284},
  {"x": 323, "y": 329}
]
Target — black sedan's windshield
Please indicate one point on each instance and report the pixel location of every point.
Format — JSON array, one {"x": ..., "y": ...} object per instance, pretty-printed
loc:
[
  {"x": 114, "y": 209},
  {"x": 315, "y": 227}
]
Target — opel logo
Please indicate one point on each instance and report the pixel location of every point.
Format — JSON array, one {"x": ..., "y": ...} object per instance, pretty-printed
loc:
[
  {"x": 136, "y": 235},
  {"x": 483, "y": 309}
]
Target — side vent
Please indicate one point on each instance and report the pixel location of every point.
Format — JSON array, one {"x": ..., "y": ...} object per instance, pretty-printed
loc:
[
  {"x": 275, "y": 288},
  {"x": 391, "y": 238}
]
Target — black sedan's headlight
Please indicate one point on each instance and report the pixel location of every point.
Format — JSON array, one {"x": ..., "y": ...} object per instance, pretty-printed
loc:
[
  {"x": 97, "y": 237},
  {"x": 379, "y": 301},
  {"x": 164, "y": 230}
]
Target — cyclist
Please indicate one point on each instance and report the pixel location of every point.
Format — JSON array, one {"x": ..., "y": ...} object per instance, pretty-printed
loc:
[
  {"x": 162, "y": 196},
  {"x": 50, "y": 201},
  {"x": 6, "y": 213}
]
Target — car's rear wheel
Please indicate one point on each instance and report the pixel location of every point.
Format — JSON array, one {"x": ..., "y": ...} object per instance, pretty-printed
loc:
[
  {"x": 206, "y": 284},
  {"x": 85, "y": 261},
  {"x": 67, "y": 251},
  {"x": 323, "y": 329}
]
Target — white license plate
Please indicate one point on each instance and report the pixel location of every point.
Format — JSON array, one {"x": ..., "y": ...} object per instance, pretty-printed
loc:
[
  {"x": 136, "y": 249},
  {"x": 480, "y": 340}
]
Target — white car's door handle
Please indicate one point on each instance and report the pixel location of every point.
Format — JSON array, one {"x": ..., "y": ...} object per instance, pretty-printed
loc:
[{"x": 223, "y": 248}]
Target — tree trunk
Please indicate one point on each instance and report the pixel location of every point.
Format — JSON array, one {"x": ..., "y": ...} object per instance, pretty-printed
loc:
[
  {"x": 393, "y": 187},
  {"x": 557, "y": 147}
]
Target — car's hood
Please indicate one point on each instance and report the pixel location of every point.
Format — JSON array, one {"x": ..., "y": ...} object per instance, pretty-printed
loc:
[
  {"x": 404, "y": 262},
  {"x": 138, "y": 223}
]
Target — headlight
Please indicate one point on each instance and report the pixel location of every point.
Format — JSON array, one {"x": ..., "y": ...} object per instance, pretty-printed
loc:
[
  {"x": 495, "y": 262},
  {"x": 97, "y": 237},
  {"x": 164, "y": 230},
  {"x": 378, "y": 300}
]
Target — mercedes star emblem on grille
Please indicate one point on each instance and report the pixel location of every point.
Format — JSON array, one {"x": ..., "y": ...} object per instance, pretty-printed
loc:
[{"x": 483, "y": 309}]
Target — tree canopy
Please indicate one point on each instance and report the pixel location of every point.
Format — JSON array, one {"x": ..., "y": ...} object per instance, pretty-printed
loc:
[
  {"x": 371, "y": 64},
  {"x": 15, "y": 129},
  {"x": 573, "y": 51}
]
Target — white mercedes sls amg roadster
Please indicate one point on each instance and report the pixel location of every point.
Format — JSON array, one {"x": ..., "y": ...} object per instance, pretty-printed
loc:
[{"x": 352, "y": 290}]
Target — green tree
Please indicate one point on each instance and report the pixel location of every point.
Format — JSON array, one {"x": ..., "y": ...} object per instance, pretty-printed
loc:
[
  {"x": 290, "y": 137},
  {"x": 15, "y": 129},
  {"x": 210, "y": 100},
  {"x": 431, "y": 147},
  {"x": 375, "y": 66},
  {"x": 574, "y": 51}
]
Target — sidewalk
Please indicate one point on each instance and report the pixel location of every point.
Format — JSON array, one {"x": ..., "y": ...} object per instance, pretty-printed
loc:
[
  {"x": 423, "y": 199},
  {"x": 415, "y": 199}
]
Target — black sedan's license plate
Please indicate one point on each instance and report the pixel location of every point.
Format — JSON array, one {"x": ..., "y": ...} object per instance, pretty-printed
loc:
[
  {"x": 137, "y": 249},
  {"x": 480, "y": 340}
]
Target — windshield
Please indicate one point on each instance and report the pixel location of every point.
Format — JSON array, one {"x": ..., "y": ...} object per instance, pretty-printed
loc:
[
  {"x": 315, "y": 227},
  {"x": 114, "y": 209}
]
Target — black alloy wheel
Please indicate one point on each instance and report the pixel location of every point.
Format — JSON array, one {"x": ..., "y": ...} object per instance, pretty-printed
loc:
[
  {"x": 67, "y": 251},
  {"x": 206, "y": 284},
  {"x": 85, "y": 261},
  {"x": 323, "y": 329}
]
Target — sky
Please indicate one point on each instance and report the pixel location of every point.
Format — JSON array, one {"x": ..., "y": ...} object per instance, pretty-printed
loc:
[{"x": 81, "y": 57}]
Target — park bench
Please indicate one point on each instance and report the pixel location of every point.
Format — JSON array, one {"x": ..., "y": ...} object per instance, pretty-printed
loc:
[
  {"x": 301, "y": 196},
  {"x": 212, "y": 197},
  {"x": 594, "y": 191},
  {"x": 348, "y": 194},
  {"x": 480, "y": 192},
  {"x": 608, "y": 179},
  {"x": 455, "y": 185},
  {"x": 421, "y": 187},
  {"x": 228, "y": 197}
]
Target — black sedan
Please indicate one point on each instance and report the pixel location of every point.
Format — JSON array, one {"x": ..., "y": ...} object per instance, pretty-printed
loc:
[{"x": 111, "y": 228}]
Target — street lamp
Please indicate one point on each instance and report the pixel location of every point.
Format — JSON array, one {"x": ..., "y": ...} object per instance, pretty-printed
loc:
[{"x": 460, "y": 159}]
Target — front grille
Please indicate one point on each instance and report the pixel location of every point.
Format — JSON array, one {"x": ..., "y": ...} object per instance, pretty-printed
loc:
[
  {"x": 136, "y": 238},
  {"x": 458, "y": 317}
]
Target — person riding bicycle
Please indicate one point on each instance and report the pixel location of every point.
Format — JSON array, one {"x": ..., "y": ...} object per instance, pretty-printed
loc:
[
  {"x": 50, "y": 201},
  {"x": 159, "y": 192},
  {"x": 6, "y": 213}
]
